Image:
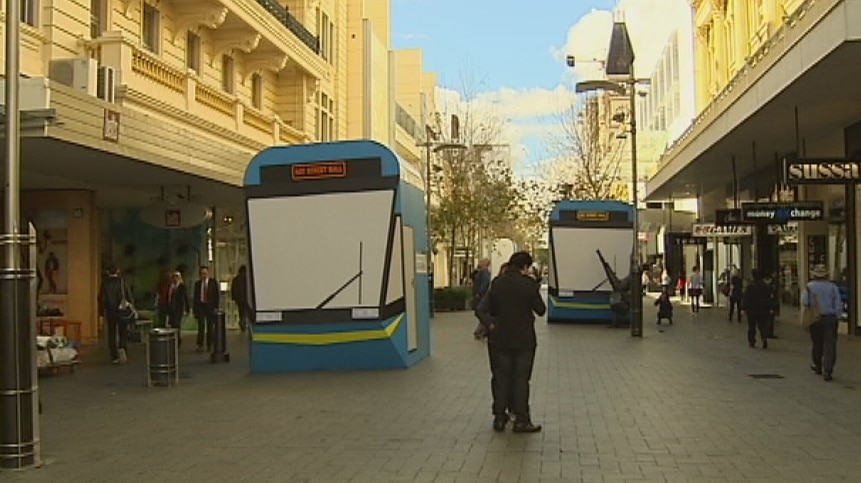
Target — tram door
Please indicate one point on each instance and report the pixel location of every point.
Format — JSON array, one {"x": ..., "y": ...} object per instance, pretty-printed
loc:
[{"x": 410, "y": 287}]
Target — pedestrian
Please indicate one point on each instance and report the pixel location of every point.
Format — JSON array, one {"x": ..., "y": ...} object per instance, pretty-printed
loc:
[
  {"x": 665, "y": 307},
  {"x": 695, "y": 289},
  {"x": 480, "y": 281},
  {"x": 774, "y": 282},
  {"x": 736, "y": 292},
  {"x": 824, "y": 295},
  {"x": 178, "y": 306},
  {"x": 682, "y": 285},
  {"x": 239, "y": 294},
  {"x": 162, "y": 291},
  {"x": 206, "y": 296},
  {"x": 118, "y": 310},
  {"x": 485, "y": 321},
  {"x": 512, "y": 302},
  {"x": 666, "y": 281},
  {"x": 757, "y": 303}
]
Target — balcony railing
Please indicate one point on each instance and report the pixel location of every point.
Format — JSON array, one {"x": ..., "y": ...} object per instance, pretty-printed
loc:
[
  {"x": 404, "y": 120},
  {"x": 286, "y": 19}
]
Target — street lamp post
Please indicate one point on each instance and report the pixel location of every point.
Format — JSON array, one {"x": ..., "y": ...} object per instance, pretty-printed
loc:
[
  {"x": 19, "y": 447},
  {"x": 620, "y": 63},
  {"x": 431, "y": 146}
]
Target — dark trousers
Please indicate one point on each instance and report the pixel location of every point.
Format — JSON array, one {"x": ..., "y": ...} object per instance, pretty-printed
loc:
[
  {"x": 494, "y": 381},
  {"x": 760, "y": 322},
  {"x": 735, "y": 307},
  {"x": 245, "y": 315},
  {"x": 174, "y": 321},
  {"x": 205, "y": 328},
  {"x": 823, "y": 334},
  {"x": 695, "y": 294},
  {"x": 118, "y": 334},
  {"x": 513, "y": 369},
  {"x": 162, "y": 315}
]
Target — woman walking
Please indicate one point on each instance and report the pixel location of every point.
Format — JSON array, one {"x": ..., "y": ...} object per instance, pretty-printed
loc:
[{"x": 695, "y": 289}]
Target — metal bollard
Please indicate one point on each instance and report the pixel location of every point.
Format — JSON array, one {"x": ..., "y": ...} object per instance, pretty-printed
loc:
[
  {"x": 162, "y": 358},
  {"x": 219, "y": 346}
]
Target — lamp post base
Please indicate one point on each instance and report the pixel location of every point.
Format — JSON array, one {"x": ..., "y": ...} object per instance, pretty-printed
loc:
[{"x": 636, "y": 304}]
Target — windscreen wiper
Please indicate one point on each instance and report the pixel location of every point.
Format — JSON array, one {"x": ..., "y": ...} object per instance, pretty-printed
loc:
[
  {"x": 336, "y": 292},
  {"x": 355, "y": 277}
]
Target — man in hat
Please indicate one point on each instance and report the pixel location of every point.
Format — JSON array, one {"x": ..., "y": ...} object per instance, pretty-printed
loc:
[{"x": 825, "y": 295}]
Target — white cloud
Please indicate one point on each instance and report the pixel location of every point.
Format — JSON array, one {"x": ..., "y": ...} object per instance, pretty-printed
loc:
[
  {"x": 532, "y": 114},
  {"x": 650, "y": 23}
]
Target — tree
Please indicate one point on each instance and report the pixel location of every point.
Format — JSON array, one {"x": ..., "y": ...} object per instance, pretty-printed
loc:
[
  {"x": 475, "y": 191},
  {"x": 587, "y": 154}
]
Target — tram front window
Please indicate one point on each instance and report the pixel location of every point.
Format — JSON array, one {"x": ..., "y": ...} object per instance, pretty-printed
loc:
[{"x": 325, "y": 251}]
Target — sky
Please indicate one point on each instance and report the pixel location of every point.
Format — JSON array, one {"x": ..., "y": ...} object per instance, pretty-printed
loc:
[{"x": 513, "y": 53}]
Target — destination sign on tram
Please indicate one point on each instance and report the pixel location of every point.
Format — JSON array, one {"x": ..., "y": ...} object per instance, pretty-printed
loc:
[
  {"x": 593, "y": 216},
  {"x": 317, "y": 171}
]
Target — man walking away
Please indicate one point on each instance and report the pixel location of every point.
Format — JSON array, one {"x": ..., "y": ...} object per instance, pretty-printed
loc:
[
  {"x": 823, "y": 334},
  {"x": 239, "y": 294},
  {"x": 205, "y": 302},
  {"x": 736, "y": 293},
  {"x": 757, "y": 304},
  {"x": 512, "y": 301}
]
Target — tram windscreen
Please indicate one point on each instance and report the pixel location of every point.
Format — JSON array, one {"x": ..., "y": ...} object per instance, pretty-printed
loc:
[
  {"x": 305, "y": 249},
  {"x": 578, "y": 267}
]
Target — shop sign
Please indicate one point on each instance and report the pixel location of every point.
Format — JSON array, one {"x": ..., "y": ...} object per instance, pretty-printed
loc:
[
  {"x": 728, "y": 217},
  {"x": 781, "y": 213},
  {"x": 787, "y": 229},
  {"x": 823, "y": 171},
  {"x": 716, "y": 231}
]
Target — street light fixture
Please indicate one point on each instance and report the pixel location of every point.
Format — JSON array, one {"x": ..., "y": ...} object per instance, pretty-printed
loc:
[
  {"x": 620, "y": 65},
  {"x": 435, "y": 147}
]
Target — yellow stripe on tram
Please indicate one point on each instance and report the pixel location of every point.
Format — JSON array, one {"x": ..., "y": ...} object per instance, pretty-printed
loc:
[
  {"x": 578, "y": 305},
  {"x": 333, "y": 337}
]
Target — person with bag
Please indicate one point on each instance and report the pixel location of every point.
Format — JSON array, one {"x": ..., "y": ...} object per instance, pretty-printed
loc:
[
  {"x": 119, "y": 312},
  {"x": 821, "y": 307}
]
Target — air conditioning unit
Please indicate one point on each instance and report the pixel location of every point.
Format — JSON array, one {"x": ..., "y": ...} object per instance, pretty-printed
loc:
[
  {"x": 79, "y": 73},
  {"x": 106, "y": 83}
]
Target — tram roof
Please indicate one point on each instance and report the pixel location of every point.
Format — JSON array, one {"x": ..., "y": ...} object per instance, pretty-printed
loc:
[{"x": 392, "y": 164}]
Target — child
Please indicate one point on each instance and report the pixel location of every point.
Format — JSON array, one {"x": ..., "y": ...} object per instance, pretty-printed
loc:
[{"x": 665, "y": 307}]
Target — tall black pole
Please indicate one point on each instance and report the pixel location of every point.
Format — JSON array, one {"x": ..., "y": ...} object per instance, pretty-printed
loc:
[
  {"x": 18, "y": 402},
  {"x": 430, "y": 270},
  {"x": 636, "y": 281}
]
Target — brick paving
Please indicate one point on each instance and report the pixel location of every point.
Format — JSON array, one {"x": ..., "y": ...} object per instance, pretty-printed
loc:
[{"x": 678, "y": 405}]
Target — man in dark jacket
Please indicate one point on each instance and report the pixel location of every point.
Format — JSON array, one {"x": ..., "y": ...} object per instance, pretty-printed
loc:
[
  {"x": 512, "y": 301},
  {"x": 114, "y": 290},
  {"x": 758, "y": 305},
  {"x": 206, "y": 299}
]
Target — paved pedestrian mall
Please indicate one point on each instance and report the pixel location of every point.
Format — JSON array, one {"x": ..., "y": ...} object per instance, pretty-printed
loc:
[{"x": 678, "y": 405}]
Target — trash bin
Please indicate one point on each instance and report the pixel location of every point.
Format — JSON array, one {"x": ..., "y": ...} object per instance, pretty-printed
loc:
[
  {"x": 162, "y": 361},
  {"x": 219, "y": 346}
]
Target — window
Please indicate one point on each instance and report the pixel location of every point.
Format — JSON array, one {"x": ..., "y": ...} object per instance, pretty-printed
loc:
[
  {"x": 326, "y": 33},
  {"x": 257, "y": 91},
  {"x": 98, "y": 18},
  {"x": 28, "y": 12},
  {"x": 227, "y": 74},
  {"x": 326, "y": 118},
  {"x": 151, "y": 30},
  {"x": 192, "y": 52}
]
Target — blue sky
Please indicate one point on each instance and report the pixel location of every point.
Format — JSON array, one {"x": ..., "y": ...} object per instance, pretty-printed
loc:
[
  {"x": 516, "y": 49},
  {"x": 507, "y": 42}
]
